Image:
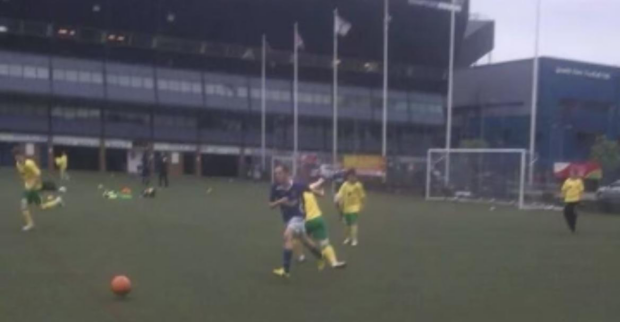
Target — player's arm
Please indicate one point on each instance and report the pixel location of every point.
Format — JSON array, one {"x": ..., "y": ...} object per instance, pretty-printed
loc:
[
  {"x": 564, "y": 188},
  {"x": 273, "y": 200},
  {"x": 316, "y": 187}
]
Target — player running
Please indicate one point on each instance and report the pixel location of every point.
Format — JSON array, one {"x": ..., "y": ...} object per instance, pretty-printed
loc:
[
  {"x": 62, "y": 162},
  {"x": 288, "y": 196},
  {"x": 315, "y": 224},
  {"x": 31, "y": 174},
  {"x": 351, "y": 198}
]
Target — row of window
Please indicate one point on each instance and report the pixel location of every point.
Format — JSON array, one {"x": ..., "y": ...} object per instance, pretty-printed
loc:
[{"x": 212, "y": 88}]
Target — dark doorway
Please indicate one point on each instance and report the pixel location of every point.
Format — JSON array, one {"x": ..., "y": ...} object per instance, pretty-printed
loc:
[
  {"x": 116, "y": 160},
  {"x": 80, "y": 158},
  {"x": 189, "y": 163},
  {"x": 216, "y": 165}
]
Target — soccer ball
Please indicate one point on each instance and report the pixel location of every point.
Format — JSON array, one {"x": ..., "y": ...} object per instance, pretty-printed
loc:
[
  {"x": 62, "y": 189},
  {"x": 121, "y": 285}
]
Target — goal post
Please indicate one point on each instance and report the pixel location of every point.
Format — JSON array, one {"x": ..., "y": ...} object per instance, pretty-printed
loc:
[{"x": 477, "y": 175}]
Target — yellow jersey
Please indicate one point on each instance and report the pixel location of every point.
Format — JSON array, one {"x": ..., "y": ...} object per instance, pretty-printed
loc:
[
  {"x": 351, "y": 196},
  {"x": 572, "y": 190},
  {"x": 62, "y": 162},
  {"x": 30, "y": 173},
  {"x": 311, "y": 206}
]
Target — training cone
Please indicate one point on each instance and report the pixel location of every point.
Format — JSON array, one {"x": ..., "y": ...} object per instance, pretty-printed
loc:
[{"x": 121, "y": 285}]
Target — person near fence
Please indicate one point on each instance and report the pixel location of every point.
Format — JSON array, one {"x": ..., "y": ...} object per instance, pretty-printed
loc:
[
  {"x": 162, "y": 169},
  {"x": 572, "y": 191}
]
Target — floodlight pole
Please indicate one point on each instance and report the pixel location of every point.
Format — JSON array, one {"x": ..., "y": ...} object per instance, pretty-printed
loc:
[
  {"x": 450, "y": 101},
  {"x": 386, "y": 33},
  {"x": 535, "y": 80},
  {"x": 263, "y": 104}
]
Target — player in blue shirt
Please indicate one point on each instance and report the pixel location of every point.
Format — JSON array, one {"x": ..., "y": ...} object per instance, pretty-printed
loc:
[{"x": 288, "y": 196}]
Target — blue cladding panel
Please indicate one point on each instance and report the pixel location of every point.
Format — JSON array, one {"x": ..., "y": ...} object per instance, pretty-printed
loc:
[
  {"x": 175, "y": 134},
  {"x": 24, "y": 73},
  {"x": 130, "y": 83},
  {"x": 176, "y": 87},
  {"x": 81, "y": 127},
  {"x": 28, "y": 124},
  {"x": 77, "y": 78},
  {"x": 226, "y": 92}
]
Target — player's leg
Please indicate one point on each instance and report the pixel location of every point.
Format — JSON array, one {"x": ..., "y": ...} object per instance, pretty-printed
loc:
[
  {"x": 25, "y": 202},
  {"x": 317, "y": 229},
  {"x": 287, "y": 253},
  {"x": 298, "y": 251},
  {"x": 352, "y": 228},
  {"x": 569, "y": 216},
  {"x": 55, "y": 202}
]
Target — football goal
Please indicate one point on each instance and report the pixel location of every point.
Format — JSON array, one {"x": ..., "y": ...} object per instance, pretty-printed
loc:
[{"x": 494, "y": 176}]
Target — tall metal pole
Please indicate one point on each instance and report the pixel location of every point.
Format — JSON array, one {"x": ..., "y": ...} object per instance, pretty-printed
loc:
[
  {"x": 335, "y": 93},
  {"x": 386, "y": 28},
  {"x": 263, "y": 104},
  {"x": 295, "y": 99},
  {"x": 450, "y": 90},
  {"x": 534, "y": 113}
]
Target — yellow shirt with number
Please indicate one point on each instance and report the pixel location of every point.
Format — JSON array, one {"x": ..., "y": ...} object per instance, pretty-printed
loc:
[
  {"x": 351, "y": 196},
  {"x": 62, "y": 162},
  {"x": 572, "y": 190},
  {"x": 311, "y": 206},
  {"x": 30, "y": 173}
]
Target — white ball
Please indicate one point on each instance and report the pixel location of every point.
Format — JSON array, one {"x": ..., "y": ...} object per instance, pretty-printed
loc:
[{"x": 62, "y": 189}]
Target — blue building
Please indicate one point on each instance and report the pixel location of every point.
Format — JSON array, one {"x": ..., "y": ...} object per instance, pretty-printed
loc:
[{"x": 577, "y": 102}]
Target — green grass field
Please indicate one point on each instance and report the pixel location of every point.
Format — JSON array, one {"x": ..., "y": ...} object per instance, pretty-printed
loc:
[{"x": 198, "y": 257}]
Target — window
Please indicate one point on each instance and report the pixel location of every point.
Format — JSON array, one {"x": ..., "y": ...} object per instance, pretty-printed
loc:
[
  {"x": 174, "y": 85},
  {"x": 242, "y": 92},
  {"x": 124, "y": 81},
  {"x": 30, "y": 72},
  {"x": 148, "y": 83},
  {"x": 196, "y": 88},
  {"x": 136, "y": 81},
  {"x": 15, "y": 70},
  {"x": 43, "y": 73},
  {"x": 84, "y": 77},
  {"x": 256, "y": 93},
  {"x": 75, "y": 113},
  {"x": 186, "y": 87},
  {"x": 97, "y": 78},
  {"x": 112, "y": 79},
  {"x": 71, "y": 76},
  {"x": 59, "y": 74},
  {"x": 4, "y": 69}
]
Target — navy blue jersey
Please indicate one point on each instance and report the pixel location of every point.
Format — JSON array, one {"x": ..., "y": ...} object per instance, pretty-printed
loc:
[{"x": 294, "y": 193}]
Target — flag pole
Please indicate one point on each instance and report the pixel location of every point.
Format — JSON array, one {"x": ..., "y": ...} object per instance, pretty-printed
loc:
[
  {"x": 534, "y": 112},
  {"x": 295, "y": 98},
  {"x": 335, "y": 93},
  {"x": 263, "y": 104},
  {"x": 450, "y": 90},
  {"x": 386, "y": 28}
]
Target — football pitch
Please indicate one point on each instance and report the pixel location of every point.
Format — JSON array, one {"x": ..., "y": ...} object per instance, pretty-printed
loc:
[{"x": 194, "y": 256}]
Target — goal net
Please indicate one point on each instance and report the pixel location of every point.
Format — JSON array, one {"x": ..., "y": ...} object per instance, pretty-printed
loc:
[{"x": 477, "y": 175}]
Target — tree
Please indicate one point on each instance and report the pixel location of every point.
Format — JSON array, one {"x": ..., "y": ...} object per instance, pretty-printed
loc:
[
  {"x": 607, "y": 153},
  {"x": 474, "y": 144}
]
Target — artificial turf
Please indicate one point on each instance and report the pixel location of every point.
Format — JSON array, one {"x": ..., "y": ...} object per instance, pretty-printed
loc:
[{"x": 194, "y": 256}]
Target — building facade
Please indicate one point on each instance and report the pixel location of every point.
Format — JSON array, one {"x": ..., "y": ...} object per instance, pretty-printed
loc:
[{"x": 577, "y": 102}]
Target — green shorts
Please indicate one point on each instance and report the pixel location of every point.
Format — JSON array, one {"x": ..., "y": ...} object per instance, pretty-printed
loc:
[
  {"x": 316, "y": 228},
  {"x": 32, "y": 197},
  {"x": 351, "y": 219}
]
